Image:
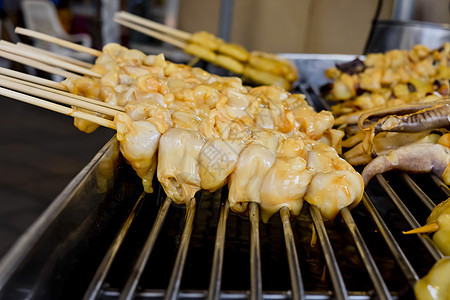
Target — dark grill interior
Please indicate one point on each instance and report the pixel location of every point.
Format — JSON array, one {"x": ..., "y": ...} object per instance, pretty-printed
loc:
[{"x": 122, "y": 244}]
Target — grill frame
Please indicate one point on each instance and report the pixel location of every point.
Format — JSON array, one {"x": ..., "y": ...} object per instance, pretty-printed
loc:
[{"x": 28, "y": 256}]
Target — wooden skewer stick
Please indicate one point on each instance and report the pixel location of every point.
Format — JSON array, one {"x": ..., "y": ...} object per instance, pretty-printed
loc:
[
  {"x": 59, "y": 56},
  {"x": 12, "y": 48},
  {"x": 57, "y": 41},
  {"x": 428, "y": 228},
  {"x": 14, "y": 85},
  {"x": 62, "y": 97},
  {"x": 57, "y": 108},
  {"x": 67, "y": 94},
  {"x": 154, "y": 25},
  {"x": 37, "y": 64},
  {"x": 31, "y": 78},
  {"x": 152, "y": 33}
]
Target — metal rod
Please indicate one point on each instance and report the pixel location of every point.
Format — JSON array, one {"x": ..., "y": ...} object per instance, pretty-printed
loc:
[
  {"x": 219, "y": 249},
  {"x": 133, "y": 279},
  {"x": 416, "y": 189},
  {"x": 438, "y": 181},
  {"x": 298, "y": 290},
  {"x": 225, "y": 19},
  {"x": 340, "y": 290},
  {"x": 99, "y": 277},
  {"x": 177, "y": 271},
  {"x": 403, "y": 10},
  {"x": 426, "y": 241},
  {"x": 255, "y": 254},
  {"x": 399, "y": 256},
  {"x": 378, "y": 282}
]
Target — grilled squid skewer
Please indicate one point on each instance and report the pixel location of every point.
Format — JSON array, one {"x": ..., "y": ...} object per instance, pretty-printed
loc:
[
  {"x": 335, "y": 184},
  {"x": 178, "y": 166},
  {"x": 287, "y": 181},
  {"x": 246, "y": 181},
  {"x": 138, "y": 144}
]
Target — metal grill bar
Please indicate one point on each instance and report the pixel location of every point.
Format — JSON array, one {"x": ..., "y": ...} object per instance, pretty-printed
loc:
[
  {"x": 99, "y": 277},
  {"x": 374, "y": 273},
  {"x": 313, "y": 98},
  {"x": 133, "y": 279},
  {"x": 398, "y": 254},
  {"x": 177, "y": 271},
  {"x": 219, "y": 248},
  {"x": 235, "y": 295},
  {"x": 421, "y": 194},
  {"x": 255, "y": 253},
  {"x": 298, "y": 291},
  {"x": 336, "y": 277},
  {"x": 409, "y": 217},
  {"x": 441, "y": 184}
]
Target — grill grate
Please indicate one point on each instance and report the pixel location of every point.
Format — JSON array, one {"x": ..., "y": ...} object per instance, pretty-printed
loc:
[{"x": 297, "y": 290}]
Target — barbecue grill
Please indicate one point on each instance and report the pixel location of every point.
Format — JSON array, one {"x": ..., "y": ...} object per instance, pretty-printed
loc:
[{"x": 102, "y": 238}]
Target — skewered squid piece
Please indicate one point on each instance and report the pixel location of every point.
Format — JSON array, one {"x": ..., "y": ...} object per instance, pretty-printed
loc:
[
  {"x": 138, "y": 142},
  {"x": 246, "y": 181},
  {"x": 436, "y": 284},
  {"x": 287, "y": 180},
  {"x": 335, "y": 184},
  {"x": 178, "y": 165},
  {"x": 271, "y": 112},
  {"x": 153, "y": 113},
  {"x": 217, "y": 161},
  {"x": 438, "y": 223},
  {"x": 251, "y": 167}
]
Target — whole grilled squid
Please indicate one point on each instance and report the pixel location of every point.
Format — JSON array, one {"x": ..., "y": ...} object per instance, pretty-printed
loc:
[
  {"x": 416, "y": 158},
  {"x": 407, "y": 118}
]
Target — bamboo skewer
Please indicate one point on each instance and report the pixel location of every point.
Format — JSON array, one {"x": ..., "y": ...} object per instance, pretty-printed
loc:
[
  {"x": 67, "y": 94},
  {"x": 155, "y": 34},
  {"x": 12, "y": 48},
  {"x": 33, "y": 79},
  {"x": 57, "y": 108},
  {"x": 59, "y": 56},
  {"x": 15, "y": 85},
  {"x": 57, "y": 41},
  {"x": 37, "y": 64},
  {"x": 154, "y": 25}
]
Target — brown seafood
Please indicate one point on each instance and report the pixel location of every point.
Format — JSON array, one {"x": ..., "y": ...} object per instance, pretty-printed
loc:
[{"x": 413, "y": 158}]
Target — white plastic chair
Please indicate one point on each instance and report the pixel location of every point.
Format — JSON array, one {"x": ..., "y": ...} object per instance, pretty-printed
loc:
[{"x": 41, "y": 16}]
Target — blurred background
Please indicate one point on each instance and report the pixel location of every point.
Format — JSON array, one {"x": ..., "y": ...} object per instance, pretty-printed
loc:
[
  {"x": 41, "y": 151},
  {"x": 295, "y": 26}
]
